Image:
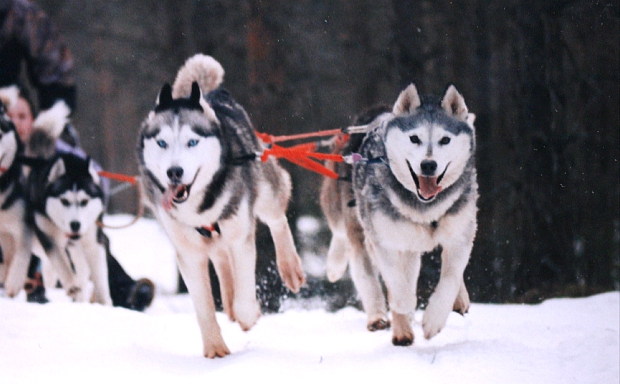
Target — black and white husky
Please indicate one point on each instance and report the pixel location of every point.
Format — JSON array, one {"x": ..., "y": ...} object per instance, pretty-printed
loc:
[
  {"x": 65, "y": 201},
  {"x": 194, "y": 150},
  {"x": 413, "y": 189},
  {"x": 15, "y": 234}
]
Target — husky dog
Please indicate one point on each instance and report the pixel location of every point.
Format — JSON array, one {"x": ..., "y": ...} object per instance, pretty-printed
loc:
[
  {"x": 15, "y": 234},
  {"x": 66, "y": 199},
  {"x": 194, "y": 151},
  {"x": 413, "y": 191}
]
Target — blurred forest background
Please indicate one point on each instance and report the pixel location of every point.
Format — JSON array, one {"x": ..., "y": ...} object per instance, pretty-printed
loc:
[{"x": 541, "y": 76}]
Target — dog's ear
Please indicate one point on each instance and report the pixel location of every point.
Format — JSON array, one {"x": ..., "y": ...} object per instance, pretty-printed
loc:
[
  {"x": 57, "y": 170},
  {"x": 196, "y": 94},
  {"x": 471, "y": 117},
  {"x": 196, "y": 99},
  {"x": 165, "y": 97},
  {"x": 407, "y": 101},
  {"x": 93, "y": 172},
  {"x": 454, "y": 104}
]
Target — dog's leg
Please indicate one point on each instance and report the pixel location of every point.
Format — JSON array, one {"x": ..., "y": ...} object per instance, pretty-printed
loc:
[
  {"x": 59, "y": 261},
  {"x": 365, "y": 276},
  {"x": 366, "y": 279},
  {"x": 95, "y": 256},
  {"x": 82, "y": 270},
  {"x": 222, "y": 263},
  {"x": 454, "y": 258},
  {"x": 243, "y": 257},
  {"x": 18, "y": 269},
  {"x": 289, "y": 262},
  {"x": 337, "y": 260},
  {"x": 194, "y": 268},
  {"x": 461, "y": 304},
  {"x": 270, "y": 208},
  {"x": 400, "y": 270}
]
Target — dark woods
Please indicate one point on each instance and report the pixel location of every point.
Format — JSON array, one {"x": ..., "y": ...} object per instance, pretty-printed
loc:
[{"x": 541, "y": 76}]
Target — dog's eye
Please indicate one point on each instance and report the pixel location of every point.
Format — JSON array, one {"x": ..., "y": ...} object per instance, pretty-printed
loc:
[
  {"x": 192, "y": 143},
  {"x": 444, "y": 140},
  {"x": 162, "y": 144},
  {"x": 83, "y": 203},
  {"x": 415, "y": 139},
  {"x": 65, "y": 202}
]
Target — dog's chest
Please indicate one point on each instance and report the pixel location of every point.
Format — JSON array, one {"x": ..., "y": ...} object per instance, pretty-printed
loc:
[
  {"x": 191, "y": 214},
  {"x": 403, "y": 235}
]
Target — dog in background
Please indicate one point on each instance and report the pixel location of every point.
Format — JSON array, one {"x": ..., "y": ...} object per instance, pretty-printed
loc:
[{"x": 15, "y": 234}]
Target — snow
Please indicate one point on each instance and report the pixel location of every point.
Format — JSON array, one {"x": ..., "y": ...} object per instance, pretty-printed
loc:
[{"x": 558, "y": 341}]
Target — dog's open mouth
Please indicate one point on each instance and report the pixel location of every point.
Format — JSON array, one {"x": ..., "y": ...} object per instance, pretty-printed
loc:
[
  {"x": 73, "y": 236},
  {"x": 177, "y": 194},
  {"x": 427, "y": 187}
]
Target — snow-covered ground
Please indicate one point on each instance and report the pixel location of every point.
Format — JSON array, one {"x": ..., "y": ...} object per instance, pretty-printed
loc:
[{"x": 558, "y": 341}]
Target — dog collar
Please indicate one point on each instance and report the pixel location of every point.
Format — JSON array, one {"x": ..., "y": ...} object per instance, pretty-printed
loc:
[{"x": 207, "y": 230}]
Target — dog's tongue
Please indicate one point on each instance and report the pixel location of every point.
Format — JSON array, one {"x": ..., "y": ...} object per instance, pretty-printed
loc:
[
  {"x": 174, "y": 194},
  {"x": 428, "y": 187}
]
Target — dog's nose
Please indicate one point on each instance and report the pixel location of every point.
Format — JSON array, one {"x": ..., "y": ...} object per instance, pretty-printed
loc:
[
  {"x": 175, "y": 173},
  {"x": 428, "y": 167},
  {"x": 75, "y": 226}
]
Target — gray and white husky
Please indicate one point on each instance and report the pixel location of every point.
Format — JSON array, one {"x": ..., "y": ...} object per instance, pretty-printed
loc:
[
  {"x": 195, "y": 150},
  {"x": 412, "y": 191},
  {"x": 15, "y": 234}
]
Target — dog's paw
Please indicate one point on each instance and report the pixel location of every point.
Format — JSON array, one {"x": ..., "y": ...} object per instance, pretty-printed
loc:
[
  {"x": 402, "y": 341},
  {"x": 434, "y": 320},
  {"x": 292, "y": 273},
  {"x": 402, "y": 335},
  {"x": 378, "y": 325},
  {"x": 461, "y": 306},
  {"x": 75, "y": 293},
  {"x": 216, "y": 348},
  {"x": 246, "y": 315},
  {"x": 12, "y": 291}
]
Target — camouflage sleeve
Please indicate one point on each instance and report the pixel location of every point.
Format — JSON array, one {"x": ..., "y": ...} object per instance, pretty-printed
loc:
[{"x": 48, "y": 59}]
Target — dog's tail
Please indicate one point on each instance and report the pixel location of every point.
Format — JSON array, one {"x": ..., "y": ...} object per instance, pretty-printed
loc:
[
  {"x": 9, "y": 95},
  {"x": 203, "y": 69},
  {"x": 46, "y": 129}
]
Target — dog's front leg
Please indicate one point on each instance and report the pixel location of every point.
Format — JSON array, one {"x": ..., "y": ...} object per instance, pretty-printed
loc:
[
  {"x": 194, "y": 268},
  {"x": 60, "y": 262},
  {"x": 243, "y": 254},
  {"x": 289, "y": 262},
  {"x": 400, "y": 271},
  {"x": 18, "y": 269},
  {"x": 95, "y": 256},
  {"x": 454, "y": 258}
]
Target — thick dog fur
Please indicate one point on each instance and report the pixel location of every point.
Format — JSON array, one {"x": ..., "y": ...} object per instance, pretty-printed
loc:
[
  {"x": 193, "y": 151},
  {"x": 414, "y": 191},
  {"x": 15, "y": 234}
]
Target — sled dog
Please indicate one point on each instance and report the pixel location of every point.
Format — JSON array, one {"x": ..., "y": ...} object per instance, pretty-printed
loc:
[
  {"x": 15, "y": 234},
  {"x": 66, "y": 200},
  {"x": 194, "y": 152},
  {"x": 412, "y": 190}
]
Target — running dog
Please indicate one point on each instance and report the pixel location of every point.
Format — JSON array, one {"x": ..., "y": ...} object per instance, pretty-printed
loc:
[
  {"x": 66, "y": 200},
  {"x": 412, "y": 190},
  {"x": 195, "y": 150}
]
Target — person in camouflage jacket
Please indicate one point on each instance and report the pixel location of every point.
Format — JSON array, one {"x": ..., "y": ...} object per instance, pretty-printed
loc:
[{"x": 27, "y": 35}]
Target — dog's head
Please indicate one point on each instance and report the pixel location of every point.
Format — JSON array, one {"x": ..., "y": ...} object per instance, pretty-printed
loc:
[
  {"x": 429, "y": 142},
  {"x": 180, "y": 147},
  {"x": 10, "y": 144},
  {"x": 74, "y": 196}
]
